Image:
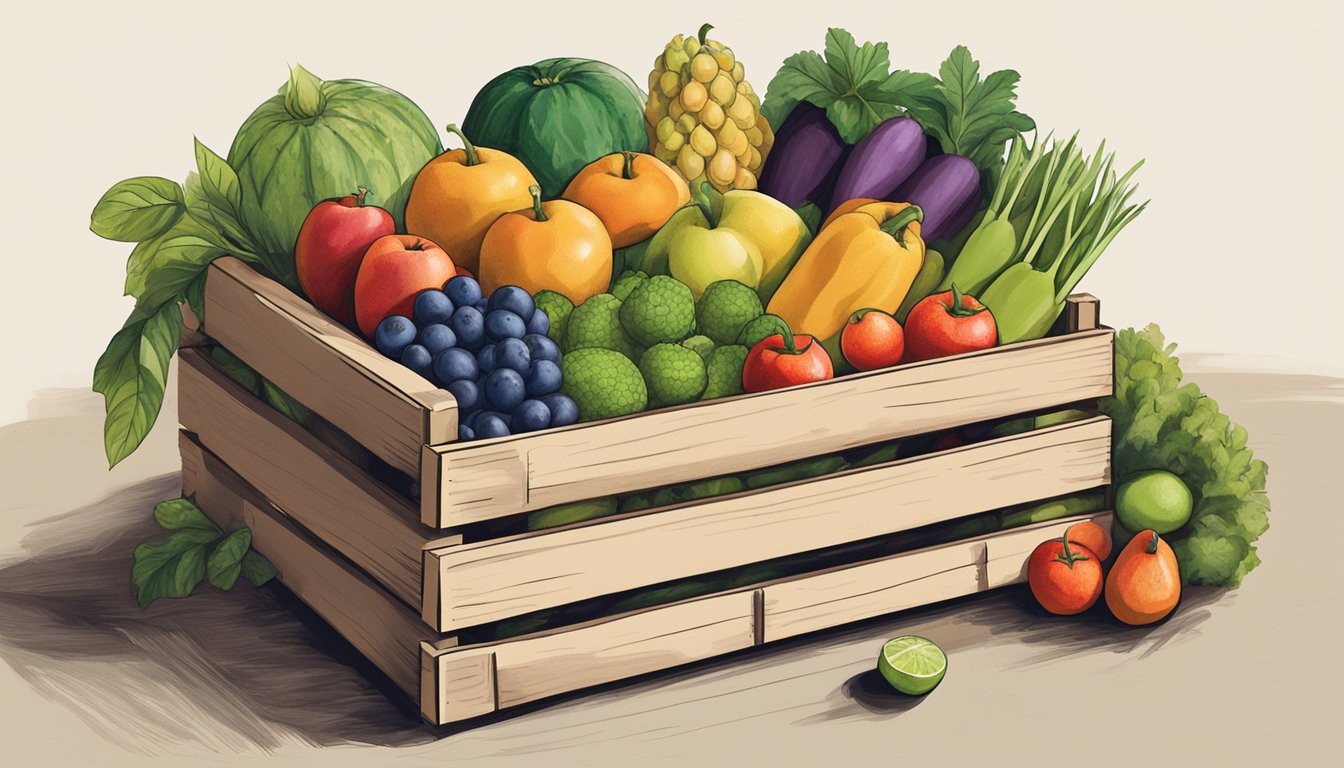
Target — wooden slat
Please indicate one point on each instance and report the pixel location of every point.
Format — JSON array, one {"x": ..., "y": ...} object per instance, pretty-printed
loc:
[
  {"x": 474, "y": 481},
  {"x": 189, "y": 334},
  {"x": 571, "y": 658},
  {"x": 386, "y": 631},
  {"x": 499, "y": 579},
  {"x": 387, "y": 407},
  {"x": 316, "y": 486},
  {"x": 1082, "y": 312}
]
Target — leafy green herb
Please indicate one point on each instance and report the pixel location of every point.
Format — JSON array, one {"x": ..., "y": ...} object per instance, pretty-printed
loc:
[
  {"x": 282, "y": 402},
  {"x": 969, "y": 116},
  {"x": 852, "y": 83},
  {"x": 137, "y": 209},
  {"x": 1160, "y": 423},
  {"x": 174, "y": 565},
  {"x": 131, "y": 376}
]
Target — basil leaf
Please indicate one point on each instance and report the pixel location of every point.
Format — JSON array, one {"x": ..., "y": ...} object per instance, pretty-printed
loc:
[
  {"x": 195, "y": 295},
  {"x": 180, "y": 258},
  {"x": 169, "y": 567},
  {"x": 131, "y": 376},
  {"x": 283, "y": 403},
  {"x": 237, "y": 370},
  {"x": 214, "y": 197},
  {"x": 226, "y": 562},
  {"x": 137, "y": 209},
  {"x": 181, "y": 514},
  {"x": 257, "y": 569}
]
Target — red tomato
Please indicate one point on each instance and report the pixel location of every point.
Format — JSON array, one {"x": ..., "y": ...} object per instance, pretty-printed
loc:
[
  {"x": 1064, "y": 576},
  {"x": 783, "y": 360},
  {"x": 872, "y": 339},
  {"x": 948, "y": 323}
]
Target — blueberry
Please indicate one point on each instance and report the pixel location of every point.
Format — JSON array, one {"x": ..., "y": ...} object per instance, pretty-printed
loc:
[
  {"x": 393, "y": 335},
  {"x": 466, "y": 393},
  {"x": 515, "y": 300},
  {"x": 504, "y": 389},
  {"x": 464, "y": 432},
  {"x": 543, "y": 378},
  {"x": 491, "y": 425},
  {"x": 418, "y": 359},
  {"x": 541, "y": 347},
  {"x": 530, "y": 416},
  {"x": 432, "y": 306},
  {"x": 512, "y": 354},
  {"x": 487, "y": 358},
  {"x": 540, "y": 323},
  {"x": 501, "y": 324},
  {"x": 455, "y": 365},
  {"x": 463, "y": 291},
  {"x": 563, "y": 410},
  {"x": 469, "y": 325},
  {"x": 483, "y": 305},
  {"x": 436, "y": 338}
]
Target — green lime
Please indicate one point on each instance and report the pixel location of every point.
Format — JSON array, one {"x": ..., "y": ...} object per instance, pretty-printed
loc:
[
  {"x": 912, "y": 664},
  {"x": 1155, "y": 499}
]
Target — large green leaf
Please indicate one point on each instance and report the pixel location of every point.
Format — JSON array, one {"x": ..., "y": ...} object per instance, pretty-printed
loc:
[
  {"x": 137, "y": 209},
  {"x": 226, "y": 561},
  {"x": 257, "y": 569},
  {"x": 170, "y": 567},
  {"x": 181, "y": 514},
  {"x": 131, "y": 376}
]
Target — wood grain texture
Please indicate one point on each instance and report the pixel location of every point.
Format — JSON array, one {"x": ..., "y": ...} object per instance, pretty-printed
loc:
[
  {"x": 387, "y": 407},
  {"x": 566, "y": 659},
  {"x": 383, "y": 629},
  {"x": 489, "y": 581},
  {"x": 487, "y": 479},
  {"x": 1082, "y": 312},
  {"x": 189, "y": 334},
  {"x": 316, "y": 486}
]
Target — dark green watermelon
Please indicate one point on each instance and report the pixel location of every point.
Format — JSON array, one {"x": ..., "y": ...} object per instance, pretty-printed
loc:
[
  {"x": 558, "y": 115},
  {"x": 321, "y": 139}
]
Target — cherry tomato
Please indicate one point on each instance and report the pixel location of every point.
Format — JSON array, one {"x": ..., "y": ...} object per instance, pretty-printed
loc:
[
  {"x": 872, "y": 339},
  {"x": 948, "y": 323},
  {"x": 783, "y": 360}
]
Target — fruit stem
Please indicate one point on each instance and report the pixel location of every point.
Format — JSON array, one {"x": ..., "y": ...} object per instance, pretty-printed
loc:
[
  {"x": 537, "y": 212},
  {"x": 704, "y": 30},
  {"x": 470, "y": 149},
  {"x": 858, "y": 315},
  {"x": 958, "y": 307},
  {"x": 628, "y": 169},
  {"x": 705, "y": 202},
  {"x": 1152, "y": 544},
  {"x": 896, "y": 225},
  {"x": 1068, "y": 557},
  {"x": 790, "y": 346},
  {"x": 360, "y": 194}
]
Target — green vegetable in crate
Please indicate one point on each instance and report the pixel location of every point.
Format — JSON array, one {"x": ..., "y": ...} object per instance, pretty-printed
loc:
[
  {"x": 673, "y": 374},
  {"x": 659, "y": 310},
  {"x": 557, "y": 116},
  {"x": 724, "y": 308},
  {"x": 571, "y": 513},
  {"x": 596, "y": 323},
  {"x": 702, "y": 345},
  {"x": 627, "y": 283},
  {"x": 320, "y": 139},
  {"x": 558, "y": 309},
  {"x": 793, "y": 471},
  {"x": 761, "y": 328},
  {"x": 603, "y": 383},
  {"x": 724, "y": 371}
]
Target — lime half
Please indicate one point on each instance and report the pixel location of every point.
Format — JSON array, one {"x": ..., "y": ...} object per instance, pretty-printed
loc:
[{"x": 912, "y": 664}]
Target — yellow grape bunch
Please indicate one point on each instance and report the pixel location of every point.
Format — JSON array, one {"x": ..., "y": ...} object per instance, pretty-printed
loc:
[{"x": 703, "y": 118}]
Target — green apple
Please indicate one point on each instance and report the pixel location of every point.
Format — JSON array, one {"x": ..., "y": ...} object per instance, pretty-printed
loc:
[{"x": 700, "y": 255}]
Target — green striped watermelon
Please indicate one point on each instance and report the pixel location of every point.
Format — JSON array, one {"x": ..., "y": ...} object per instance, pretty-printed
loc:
[
  {"x": 557, "y": 116},
  {"x": 321, "y": 139}
]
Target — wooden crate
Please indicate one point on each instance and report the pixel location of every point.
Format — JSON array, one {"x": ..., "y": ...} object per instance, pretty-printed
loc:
[{"x": 383, "y": 523}]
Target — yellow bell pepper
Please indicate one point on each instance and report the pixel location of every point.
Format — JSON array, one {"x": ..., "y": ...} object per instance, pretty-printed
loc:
[{"x": 867, "y": 258}]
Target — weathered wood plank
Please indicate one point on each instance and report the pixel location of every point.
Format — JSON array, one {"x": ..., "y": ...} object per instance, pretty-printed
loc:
[
  {"x": 1082, "y": 312},
  {"x": 387, "y": 407},
  {"x": 498, "y": 579},
  {"x": 474, "y": 481},
  {"x": 386, "y": 631},
  {"x": 316, "y": 486}
]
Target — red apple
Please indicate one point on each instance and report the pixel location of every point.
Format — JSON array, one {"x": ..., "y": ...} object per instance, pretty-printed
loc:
[
  {"x": 331, "y": 244},
  {"x": 395, "y": 269}
]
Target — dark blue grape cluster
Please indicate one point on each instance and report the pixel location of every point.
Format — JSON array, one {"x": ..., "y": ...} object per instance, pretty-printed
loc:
[{"x": 491, "y": 352}]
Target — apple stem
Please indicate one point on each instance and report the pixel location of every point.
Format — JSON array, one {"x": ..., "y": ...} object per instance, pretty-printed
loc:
[
  {"x": 470, "y": 149},
  {"x": 537, "y": 212},
  {"x": 628, "y": 170},
  {"x": 360, "y": 194}
]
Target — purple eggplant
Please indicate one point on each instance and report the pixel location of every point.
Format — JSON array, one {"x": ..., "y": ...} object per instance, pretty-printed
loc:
[
  {"x": 807, "y": 148},
  {"x": 941, "y": 187},
  {"x": 962, "y": 217},
  {"x": 882, "y": 161}
]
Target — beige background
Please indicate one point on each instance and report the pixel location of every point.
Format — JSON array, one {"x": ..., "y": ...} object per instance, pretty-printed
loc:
[{"x": 1234, "y": 105}]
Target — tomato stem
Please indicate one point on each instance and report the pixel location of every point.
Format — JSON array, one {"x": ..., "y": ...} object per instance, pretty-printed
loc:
[
  {"x": 958, "y": 307},
  {"x": 537, "y": 213},
  {"x": 1068, "y": 556},
  {"x": 472, "y": 158},
  {"x": 628, "y": 170}
]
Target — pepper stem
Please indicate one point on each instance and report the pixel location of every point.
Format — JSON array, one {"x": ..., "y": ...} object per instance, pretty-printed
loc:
[
  {"x": 628, "y": 170},
  {"x": 958, "y": 307},
  {"x": 896, "y": 225},
  {"x": 470, "y": 148},
  {"x": 704, "y": 30},
  {"x": 537, "y": 213}
]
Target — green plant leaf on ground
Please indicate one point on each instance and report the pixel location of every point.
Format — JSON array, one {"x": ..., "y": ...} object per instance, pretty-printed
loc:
[
  {"x": 226, "y": 561},
  {"x": 170, "y": 567},
  {"x": 181, "y": 514},
  {"x": 131, "y": 376},
  {"x": 257, "y": 569},
  {"x": 137, "y": 209}
]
